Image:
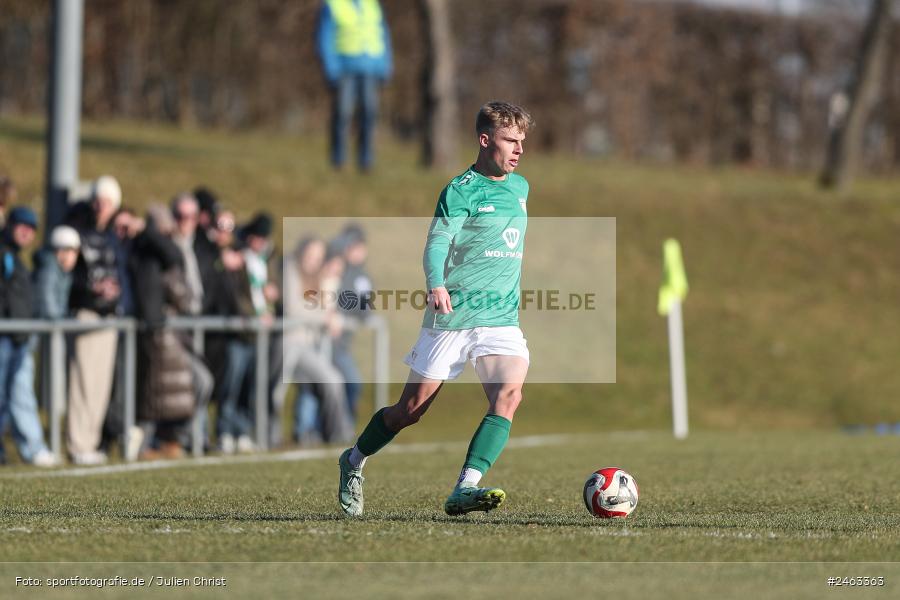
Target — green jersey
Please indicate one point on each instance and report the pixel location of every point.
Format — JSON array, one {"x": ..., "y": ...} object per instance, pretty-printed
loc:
[{"x": 474, "y": 249}]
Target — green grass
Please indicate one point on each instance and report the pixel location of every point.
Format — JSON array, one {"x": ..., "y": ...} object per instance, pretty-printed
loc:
[{"x": 769, "y": 498}]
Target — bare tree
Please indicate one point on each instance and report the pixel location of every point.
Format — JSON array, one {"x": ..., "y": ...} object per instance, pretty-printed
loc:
[
  {"x": 850, "y": 109},
  {"x": 439, "y": 147}
]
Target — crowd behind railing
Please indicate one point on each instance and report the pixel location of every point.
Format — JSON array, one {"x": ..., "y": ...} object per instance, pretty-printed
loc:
[{"x": 188, "y": 259}]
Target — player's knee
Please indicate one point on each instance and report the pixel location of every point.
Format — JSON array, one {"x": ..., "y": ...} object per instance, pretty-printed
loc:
[
  {"x": 417, "y": 409},
  {"x": 508, "y": 400},
  {"x": 413, "y": 409}
]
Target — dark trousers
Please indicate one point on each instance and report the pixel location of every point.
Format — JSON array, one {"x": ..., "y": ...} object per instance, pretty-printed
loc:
[{"x": 349, "y": 92}]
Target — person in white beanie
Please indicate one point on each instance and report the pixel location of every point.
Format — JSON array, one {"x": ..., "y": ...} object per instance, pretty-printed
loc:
[
  {"x": 96, "y": 291},
  {"x": 106, "y": 194},
  {"x": 53, "y": 272},
  {"x": 52, "y": 281}
]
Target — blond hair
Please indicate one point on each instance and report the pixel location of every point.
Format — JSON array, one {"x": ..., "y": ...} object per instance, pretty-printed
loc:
[{"x": 496, "y": 115}]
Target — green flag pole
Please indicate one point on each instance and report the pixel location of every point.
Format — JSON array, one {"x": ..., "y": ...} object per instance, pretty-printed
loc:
[{"x": 672, "y": 293}]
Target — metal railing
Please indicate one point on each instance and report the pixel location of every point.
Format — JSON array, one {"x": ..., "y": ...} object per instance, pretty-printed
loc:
[{"x": 56, "y": 371}]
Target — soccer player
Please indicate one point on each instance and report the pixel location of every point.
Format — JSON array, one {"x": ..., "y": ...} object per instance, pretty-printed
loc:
[{"x": 473, "y": 265}]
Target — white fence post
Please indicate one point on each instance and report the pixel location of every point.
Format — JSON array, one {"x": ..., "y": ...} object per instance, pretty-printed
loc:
[
  {"x": 262, "y": 386},
  {"x": 57, "y": 376},
  {"x": 130, "y": 385}
]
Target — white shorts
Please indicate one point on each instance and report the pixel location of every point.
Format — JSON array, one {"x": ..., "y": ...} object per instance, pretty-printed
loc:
[{"x": 442, "y": 354}]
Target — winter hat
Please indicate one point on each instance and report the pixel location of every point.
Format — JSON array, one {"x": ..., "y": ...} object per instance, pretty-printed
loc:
[
  {"x": 107, "y": 187},
  {"x": 65, "y": 237},
  {"x": 260, "y": 226},
  {"x": 22, "y": 215},
  {"x": 207, "y": 200},
  {"x": 353, "y": 234}
]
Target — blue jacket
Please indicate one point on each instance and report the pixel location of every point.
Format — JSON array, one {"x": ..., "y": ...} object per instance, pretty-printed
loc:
[
  {"x": 337, "y": 65},
  {"x": 51, "y": 286}
]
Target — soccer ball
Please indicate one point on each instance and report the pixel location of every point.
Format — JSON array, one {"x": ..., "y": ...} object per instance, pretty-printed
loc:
[{"x": 610, "y": 492}]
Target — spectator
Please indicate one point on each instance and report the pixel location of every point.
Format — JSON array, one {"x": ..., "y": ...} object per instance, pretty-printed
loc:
[
  {"x": 17, "y": 401},
  {"x": 260, "y": 292},
  {"x": 209, "y": 208},
  {"x": 355, "y": 48},
  {"x": 355, "y": 284},
  {"x": 186, "y": 212},
  {"x": 212, "y": 224},
  {"x": 188, "y": 238},
  {"x": 52, "y": 282},
  {"x": 307, "y": 298},
  {"x": 303, "y": 275},
  {"x": 259, "y": 295},
  {"x": 96, "y": 288},
  {"x": 212, "y": 241},
  {"x": 169, "y": 382},
  {"x": 125, "y": 226},
  {"x": 7, "y": 197},
  {"x": 53, "y": 273},
  {"x": 233, "y": 425},
  {"x": 347, "y": 252}
]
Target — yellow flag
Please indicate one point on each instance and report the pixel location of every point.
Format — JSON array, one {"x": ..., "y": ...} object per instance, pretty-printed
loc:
[{"x": 674, "y": 285}]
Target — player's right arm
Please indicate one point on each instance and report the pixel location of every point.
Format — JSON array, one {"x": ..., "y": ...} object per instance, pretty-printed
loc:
[{"x": 449, "y": 217}]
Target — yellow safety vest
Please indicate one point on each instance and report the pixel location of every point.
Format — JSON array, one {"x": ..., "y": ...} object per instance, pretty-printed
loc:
[{"x": 359, "y": 29}]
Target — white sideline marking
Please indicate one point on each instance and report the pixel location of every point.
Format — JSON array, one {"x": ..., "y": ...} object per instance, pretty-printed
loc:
[{"x": 530, "y": 441}]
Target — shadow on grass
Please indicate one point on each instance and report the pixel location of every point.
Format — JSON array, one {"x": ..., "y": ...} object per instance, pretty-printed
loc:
[
  {"x": 498, "y": 521},
  {"x": 532, "y": 520}
]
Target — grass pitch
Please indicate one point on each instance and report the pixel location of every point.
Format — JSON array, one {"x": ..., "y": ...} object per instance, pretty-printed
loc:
[{"x": 761, "y": 498}]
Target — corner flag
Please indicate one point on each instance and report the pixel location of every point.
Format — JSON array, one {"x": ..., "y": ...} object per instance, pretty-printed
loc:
[
  {"x": 675, "y": 284},
  {"x": 672, "y": 292}
]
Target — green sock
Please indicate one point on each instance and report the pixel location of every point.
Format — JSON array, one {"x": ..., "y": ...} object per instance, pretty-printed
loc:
[
  {"x": 375, "y": 436},
  {"x": 487, "y": 443}
]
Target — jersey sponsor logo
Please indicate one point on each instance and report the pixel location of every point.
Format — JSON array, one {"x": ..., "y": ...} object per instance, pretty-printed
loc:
[
  {"x": 466, "y": 178},
  {"x": 488, "y": 208},
  {"x": 511, "y": 237},
  {"x": 502, "y": 254},
  {"x": 522, "y": 204}
]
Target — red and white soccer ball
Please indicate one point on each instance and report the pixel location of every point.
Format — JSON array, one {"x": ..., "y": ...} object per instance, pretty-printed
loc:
[{"x": 610, "y": 493}]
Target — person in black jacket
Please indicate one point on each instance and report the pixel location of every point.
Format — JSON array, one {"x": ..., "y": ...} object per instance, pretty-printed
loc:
[
  {"x": 213, "y": 241},
  {"x": 171, "y": 379},
  {"x": 16, "y": 302}
]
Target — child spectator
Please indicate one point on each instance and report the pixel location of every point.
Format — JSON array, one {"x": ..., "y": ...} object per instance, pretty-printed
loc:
[{"x": 52, "y": 281}]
